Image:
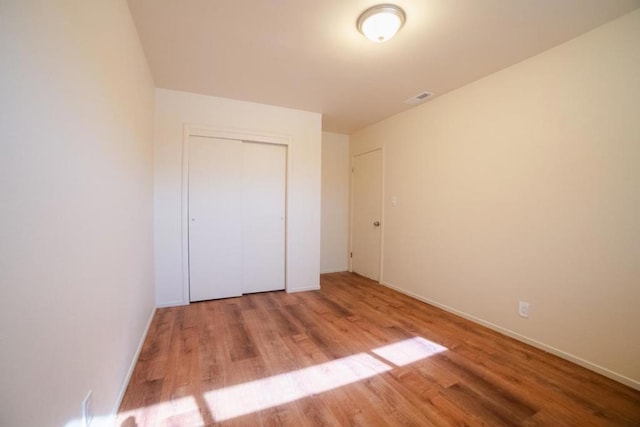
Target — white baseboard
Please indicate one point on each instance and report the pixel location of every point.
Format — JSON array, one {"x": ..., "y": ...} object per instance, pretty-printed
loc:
[
  {"x": 542, "y": 346},
  {"x": 334, "y": 270},
  {"x": 171, "y": 304},
  {"x": 127, "y": 378},
  {"x": 303, "y": 289}
]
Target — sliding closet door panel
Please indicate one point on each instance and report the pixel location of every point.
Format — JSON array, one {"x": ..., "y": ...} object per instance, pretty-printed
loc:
[
  {"x": 215, "y": 218},
  {"x": 263, "y": 216}
]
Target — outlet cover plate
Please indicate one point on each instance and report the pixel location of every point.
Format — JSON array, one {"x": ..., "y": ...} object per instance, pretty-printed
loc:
[
  {"x": 523, "y": 309},
  {"x": 87, "y": 409}
]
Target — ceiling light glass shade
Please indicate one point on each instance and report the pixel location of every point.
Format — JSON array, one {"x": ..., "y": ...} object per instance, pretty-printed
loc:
[{"x": 380, "y": 23}]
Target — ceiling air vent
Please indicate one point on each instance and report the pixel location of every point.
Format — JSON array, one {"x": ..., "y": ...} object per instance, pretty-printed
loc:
[{"x": 421, "y": 97}]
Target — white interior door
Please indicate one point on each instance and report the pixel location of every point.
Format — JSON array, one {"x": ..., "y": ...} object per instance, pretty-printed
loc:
[
  {"x": 236, "y": 217},
  {"x": 215, "y": 218},
  {"x": 264, "y": 185},
  {"x": 367, "y": 213}
]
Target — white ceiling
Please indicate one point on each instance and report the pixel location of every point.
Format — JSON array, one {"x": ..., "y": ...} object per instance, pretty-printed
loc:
[{"x": 308, "y": 54}]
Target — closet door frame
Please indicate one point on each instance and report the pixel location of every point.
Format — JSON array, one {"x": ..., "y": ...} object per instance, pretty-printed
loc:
[{"x": 190, "y": 130}]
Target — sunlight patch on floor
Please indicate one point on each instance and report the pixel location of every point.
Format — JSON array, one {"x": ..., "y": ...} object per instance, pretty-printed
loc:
[
  {"x": 254, "y": 396},
  {"x": 97, "y": 421},
  {"x": 408, "y": 351},
  {"x": 242, "y": 399},
  {"x": 180, "y": 411}
]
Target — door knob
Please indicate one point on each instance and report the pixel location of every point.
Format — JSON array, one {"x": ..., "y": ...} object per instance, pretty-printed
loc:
[{"x": 376, "y": 224}]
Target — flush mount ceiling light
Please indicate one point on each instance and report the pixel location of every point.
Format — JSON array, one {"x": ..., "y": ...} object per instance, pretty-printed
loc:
[{"x": 380, "y": 23}]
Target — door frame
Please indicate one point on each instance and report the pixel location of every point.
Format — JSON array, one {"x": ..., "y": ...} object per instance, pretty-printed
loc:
[
  {"x": 190, "y": 130},
  {"x": 382, "y": 216}
]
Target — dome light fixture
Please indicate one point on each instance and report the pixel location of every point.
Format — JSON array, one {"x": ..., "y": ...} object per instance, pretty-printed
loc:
[{"x": 380, "y": 23}]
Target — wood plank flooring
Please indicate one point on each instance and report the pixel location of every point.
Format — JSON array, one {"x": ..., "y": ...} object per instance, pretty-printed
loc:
[{"x": 354, "y": 353}]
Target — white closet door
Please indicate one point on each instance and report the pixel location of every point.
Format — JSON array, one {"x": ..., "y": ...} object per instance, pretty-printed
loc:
[
  {"x": 264, "y": 181},
  {"x": 367, "y": 212},
  {"x": 215, "y": 218},
  {"x": 236, "y": 217}
]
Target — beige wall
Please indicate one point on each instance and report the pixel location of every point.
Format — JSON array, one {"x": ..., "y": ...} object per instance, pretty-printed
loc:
[
  {"x": 525, "y": 186},
  {"x": 76, "y": 268},
  {"x": 174, "y": 109},
  {"x": 334, "y": 252}
]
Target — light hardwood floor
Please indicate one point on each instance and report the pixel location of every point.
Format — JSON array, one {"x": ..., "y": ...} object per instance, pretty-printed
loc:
[{"x": 354, "y": 353}]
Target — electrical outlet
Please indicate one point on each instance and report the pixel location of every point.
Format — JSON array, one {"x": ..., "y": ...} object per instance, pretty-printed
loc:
[
  {"x": 523, "y": 309},
  {"x": 87, "y": 409}
]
